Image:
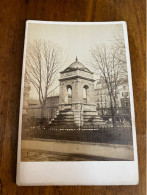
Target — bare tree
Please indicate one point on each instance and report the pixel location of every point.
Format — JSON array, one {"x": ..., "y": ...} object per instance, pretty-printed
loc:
[
  {"x": 119, "y": 45},
  {"x": 110, "y": 64},
  {"x": 43, "y": 60}
]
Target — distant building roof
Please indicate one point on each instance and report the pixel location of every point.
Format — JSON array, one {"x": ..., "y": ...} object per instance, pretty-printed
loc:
[
  {"x": 121, "y": 80},
  {"x": 33, "y": 101}
]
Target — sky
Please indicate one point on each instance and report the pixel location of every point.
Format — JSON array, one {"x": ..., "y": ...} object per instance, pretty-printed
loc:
[{"x": 75, "y": 40}]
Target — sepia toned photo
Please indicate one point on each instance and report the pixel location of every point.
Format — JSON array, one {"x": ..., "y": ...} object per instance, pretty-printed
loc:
[{"x": 76, "y": 97}]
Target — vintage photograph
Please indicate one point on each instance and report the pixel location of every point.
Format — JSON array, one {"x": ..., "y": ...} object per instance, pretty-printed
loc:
[{"x": 76, "y": 99}]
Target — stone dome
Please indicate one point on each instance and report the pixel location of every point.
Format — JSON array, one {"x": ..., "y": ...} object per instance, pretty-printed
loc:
[{"x": 77, "y": 65}]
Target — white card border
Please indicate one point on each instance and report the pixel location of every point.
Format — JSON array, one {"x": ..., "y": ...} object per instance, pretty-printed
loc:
[{"x": 83, "y": 172}]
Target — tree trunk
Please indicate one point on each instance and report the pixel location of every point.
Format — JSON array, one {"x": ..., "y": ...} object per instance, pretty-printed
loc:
[
  {"x": 43, "y": 106},
  {"x": 113, "y": 116},
  {"x": 42, "y": 112},
  {"x": 113, "y": 120},
  {"x": 42, "y": 119}
]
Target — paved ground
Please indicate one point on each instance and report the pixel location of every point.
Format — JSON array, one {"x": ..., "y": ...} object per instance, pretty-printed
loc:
[
  {"x": 39, "y": 155},
  {"x": 49, "y": 150}
]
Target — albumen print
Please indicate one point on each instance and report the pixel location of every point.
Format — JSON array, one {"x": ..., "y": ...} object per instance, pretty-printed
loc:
[{"x": 76, "y": 98}]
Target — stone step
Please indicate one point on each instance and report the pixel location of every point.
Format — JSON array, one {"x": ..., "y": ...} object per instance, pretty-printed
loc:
[
  {"x": 72, "y": 120},
  {"x": 62, "y": 115},
  {"x": 95, "y": 119},
  {"x": 90, "y": 116},
  {"x": 66, "y": 112},
  {"x": 66, "y": 119},
  {"x": 84, "y": 121},
  {"x": 62, "y": 123},
  {"x": 95, "y": 124},
  {"x": 63, "y": 119},
  {"x": 85, "y": 113}
]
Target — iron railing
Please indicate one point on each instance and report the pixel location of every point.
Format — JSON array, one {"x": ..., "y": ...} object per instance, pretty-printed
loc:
[{"x": 95, "y": 134}]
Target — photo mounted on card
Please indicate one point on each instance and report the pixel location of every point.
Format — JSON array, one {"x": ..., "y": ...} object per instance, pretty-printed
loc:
[{"x": 77, "y": 123}]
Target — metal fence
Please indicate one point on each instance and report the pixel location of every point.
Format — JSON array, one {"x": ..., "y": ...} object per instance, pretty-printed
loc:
[{"x": 95, "y": 134}]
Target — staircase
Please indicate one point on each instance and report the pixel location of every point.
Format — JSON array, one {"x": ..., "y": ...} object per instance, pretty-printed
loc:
[
  {"x": 66, "y": 117},
  {"x": 92, "y": 118},
  {"x": 63, "y": 117}
]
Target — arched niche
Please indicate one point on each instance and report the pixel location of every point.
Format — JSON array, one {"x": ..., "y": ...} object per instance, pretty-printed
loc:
[
  {"x": 69, "y": 94},
  {"x": 85, "y": 93}
]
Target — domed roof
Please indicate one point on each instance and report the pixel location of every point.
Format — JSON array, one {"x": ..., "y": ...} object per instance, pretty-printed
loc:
[{"x": 77, "y": 65}]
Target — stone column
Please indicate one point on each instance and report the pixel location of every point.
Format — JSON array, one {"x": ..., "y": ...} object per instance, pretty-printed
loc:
[
  {"x": 91, "y": 94},
  {"x": 78, "y": 114},
  {"x": 75, "y": 94},
  {"x": 63, "y": 96}
]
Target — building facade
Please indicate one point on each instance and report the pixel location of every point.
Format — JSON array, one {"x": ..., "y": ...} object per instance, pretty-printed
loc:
[
  {"x": 122, "y": 101},
  {"x": 34, "y": 109}
]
